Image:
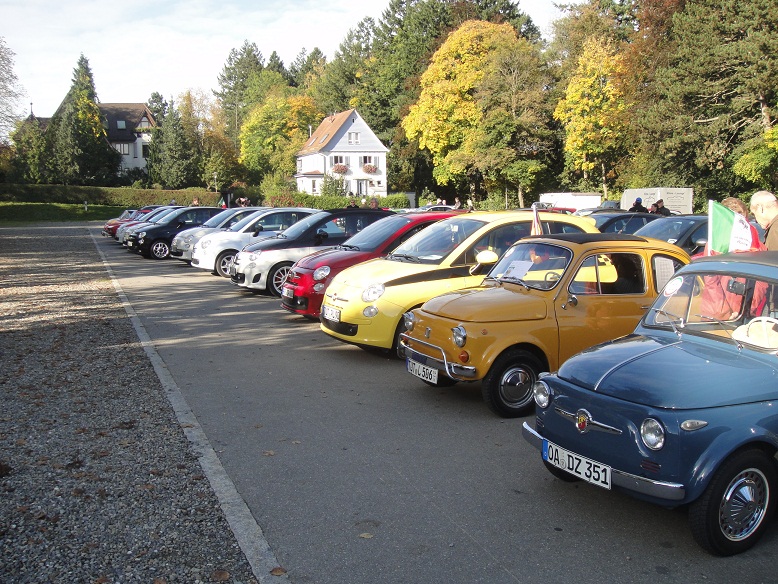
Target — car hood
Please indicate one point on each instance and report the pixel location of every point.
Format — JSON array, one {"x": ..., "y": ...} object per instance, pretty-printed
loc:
[
  {"x": 396, "y": 273},
  {"x": 333, "y": 257},
  {"x": 487, "y": 304},
  {"x": 671, "y": 373}
]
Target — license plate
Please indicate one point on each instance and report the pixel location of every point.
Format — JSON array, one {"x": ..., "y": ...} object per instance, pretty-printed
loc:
[
  {"x": 330, "y": 313},
  {"x": 584, "y": 468},
  {"x": 422, "y": 371},
  {"x": 287, "y": 292}
]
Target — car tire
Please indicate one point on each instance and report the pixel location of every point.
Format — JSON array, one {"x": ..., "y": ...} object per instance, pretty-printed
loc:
[
  {"x": 160, "y": 249},
  {"x": 507, "y": 388},
  {"x": 736, "y": 507},
  {"x": 222, "y": 260},
  {"x": 276, "y": 278},
  {"x": 561, "y": 474}
]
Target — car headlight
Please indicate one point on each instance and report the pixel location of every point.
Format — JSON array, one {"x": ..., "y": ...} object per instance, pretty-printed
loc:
[
  {"x": 409, "y": 321},
  {"x": 652, "y": 433},
  {"x": 204, "y": 244},
  {"x": 459, "y": 335},
  {"x": 373, "y": 292},
  {"x": 188, "y": 238},
  {"x": 542, "y": 394},
  {"x": 254, "y": 255},
  {"x": 141, "y": 235},
  {"x": 321, "y": 273}
]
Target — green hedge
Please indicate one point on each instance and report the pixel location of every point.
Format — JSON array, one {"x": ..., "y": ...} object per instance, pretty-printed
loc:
[{"x": 130, "y": 198}]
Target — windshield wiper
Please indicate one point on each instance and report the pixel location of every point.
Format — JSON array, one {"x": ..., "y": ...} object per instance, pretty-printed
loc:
[
  {"x": 514, "y": 280},
  {"x": 724, "y": 327},
  {"x": 346, "y": 246},
  {"x": 403, "y": 256},
  {"x": 671, "y": 318}
]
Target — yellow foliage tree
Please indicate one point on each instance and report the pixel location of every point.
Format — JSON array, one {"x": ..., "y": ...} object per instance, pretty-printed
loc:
[{"x": 592, "y": 110}]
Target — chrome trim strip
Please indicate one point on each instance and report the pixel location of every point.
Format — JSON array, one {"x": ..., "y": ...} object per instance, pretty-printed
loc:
[
  {"x": 595, "y": 425},
  {"x": 624, "y": 480},
  {"x": 612, "y": 369},
  {"x": 453, "y": 370}
]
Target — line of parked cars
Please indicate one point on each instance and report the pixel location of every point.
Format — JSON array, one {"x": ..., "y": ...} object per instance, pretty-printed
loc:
[{"x": 646, "y": 372}]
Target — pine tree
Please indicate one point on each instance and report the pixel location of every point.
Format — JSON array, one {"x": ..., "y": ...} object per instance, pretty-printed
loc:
[
  {"x": 233, "y": 82},
  {"x": 77, "y": 142},
  {"x": 177, "y": 166}
]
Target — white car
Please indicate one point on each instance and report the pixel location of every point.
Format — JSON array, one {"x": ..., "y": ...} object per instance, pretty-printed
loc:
[
  {"x": 183, "y": 243},
  {"x": 214, "y": 252},
  {"x": 264, "y": 265}
]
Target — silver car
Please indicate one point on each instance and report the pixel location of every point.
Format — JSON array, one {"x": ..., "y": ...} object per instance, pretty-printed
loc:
[{"x": 183, "y": 243}]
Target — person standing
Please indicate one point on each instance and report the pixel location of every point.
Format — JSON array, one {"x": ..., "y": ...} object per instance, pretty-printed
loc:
[
  {"x": 661, "y": 209},
  {"x": 457, "y": 203},
  {"x": 637, "y": 206},
  {"x": 764, "y": 207}
]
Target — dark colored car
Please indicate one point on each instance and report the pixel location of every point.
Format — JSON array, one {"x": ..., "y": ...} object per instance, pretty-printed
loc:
[
  {"x": 309, "y": 276},
  {"x": 264, "y": 265},
  {"x": 110, "y": 227},
  {"x": 151, "y": 217},
  {"x": 621, "y": 221},
  {"x": 154, "y": 241},
  {"x": 689, "y": 232},
  {"x": 682, "y": 411}
]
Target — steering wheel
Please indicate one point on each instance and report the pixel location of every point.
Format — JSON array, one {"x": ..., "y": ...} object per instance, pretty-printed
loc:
[
  {"x": 765, "y": 320},
  {"x": 551, "y": 277}
]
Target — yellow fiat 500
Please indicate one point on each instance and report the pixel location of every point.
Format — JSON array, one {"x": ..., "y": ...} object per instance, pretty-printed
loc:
[
  {"x": 546, "y": 299},
  {"x": 364, "y": 304}
]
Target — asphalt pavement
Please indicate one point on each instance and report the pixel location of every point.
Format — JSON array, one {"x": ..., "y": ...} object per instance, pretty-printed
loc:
[{"x": 353, "y": 471}]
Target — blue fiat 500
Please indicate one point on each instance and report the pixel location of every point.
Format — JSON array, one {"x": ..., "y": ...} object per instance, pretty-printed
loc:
[{"x": 684, "y": 411}]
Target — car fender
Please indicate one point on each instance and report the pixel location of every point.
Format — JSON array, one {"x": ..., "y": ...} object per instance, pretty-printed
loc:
[{"x": 730, "y": 440}]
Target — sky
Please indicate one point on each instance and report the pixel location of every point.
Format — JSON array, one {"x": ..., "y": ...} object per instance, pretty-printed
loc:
[{"x": 170, "y": 46}]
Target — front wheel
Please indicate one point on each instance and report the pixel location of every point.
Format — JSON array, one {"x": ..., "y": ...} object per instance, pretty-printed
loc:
[
  {"x": 733, "y": 512},
  {"x": 507, "y": 388},
  {"x": 276, "y": 278},
  {"x": 223, "y": 261},
  {"x": 160, "y": 249}
]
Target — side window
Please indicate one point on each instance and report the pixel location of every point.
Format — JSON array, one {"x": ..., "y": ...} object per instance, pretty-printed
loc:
[
  {"x": 498, "y": 240},
  {"x": 585, "y": 281},
  {"x": 701, "y": 231},
  {"x": 663, "y": 267},
  {"x": 333, "y": 227},
  {"x": 615, "y": 273},
  {"x": 560, "y": 227},
  {"x": 408, "y": 234}
]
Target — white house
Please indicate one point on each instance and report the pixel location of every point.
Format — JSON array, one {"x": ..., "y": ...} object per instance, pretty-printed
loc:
[
  {"x": 128, "y": 126},
  {"x": 343, "y": 146}
]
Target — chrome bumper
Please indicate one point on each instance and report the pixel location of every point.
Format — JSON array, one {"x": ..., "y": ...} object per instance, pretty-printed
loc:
[
  {"x": 624, "y": 480},
  {"x": 453, "y": 370}
]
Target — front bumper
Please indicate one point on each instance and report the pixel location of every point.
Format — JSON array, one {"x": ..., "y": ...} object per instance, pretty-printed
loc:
[
  {"x": 640, "y": 485},
  {"x": 448, "y": 368}
]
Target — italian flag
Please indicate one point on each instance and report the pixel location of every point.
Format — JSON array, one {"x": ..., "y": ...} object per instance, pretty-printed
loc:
[{"x": 729, "y": 231}]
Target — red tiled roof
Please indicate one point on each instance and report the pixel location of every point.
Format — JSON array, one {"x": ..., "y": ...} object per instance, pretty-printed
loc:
[{"x": 324, "y": 133}]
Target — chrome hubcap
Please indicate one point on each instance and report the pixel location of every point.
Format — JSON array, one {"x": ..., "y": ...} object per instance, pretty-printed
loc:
[{"x": 744, "y": 505}]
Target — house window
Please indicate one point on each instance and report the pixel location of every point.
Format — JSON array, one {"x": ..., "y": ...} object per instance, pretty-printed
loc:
[
  {"x": 365, "y": 160},
  {"x": 313, "y": 186},
  {"x": 144, "y": 123},
  {"x": 337, "y": 160},
  {"x": 145, "y": 151},
  {"x": 123, "y": 149},
  {"x": 121, "y": 125},
  {"x": 299, "y": 165},
  {"x": 353, "y": 137}
]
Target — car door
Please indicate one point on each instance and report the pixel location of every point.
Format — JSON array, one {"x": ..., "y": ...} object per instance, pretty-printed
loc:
[{"x": 604, "y": 299}]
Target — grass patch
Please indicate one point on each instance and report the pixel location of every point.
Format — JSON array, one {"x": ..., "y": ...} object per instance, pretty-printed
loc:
[{"x": 32, "y": 212}]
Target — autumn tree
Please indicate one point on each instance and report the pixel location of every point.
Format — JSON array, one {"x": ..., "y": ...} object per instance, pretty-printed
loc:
[
  {"x": 10, "y": 91},
  {"x": 592, "y": 112},
  {"x": 446, "y": 116}
]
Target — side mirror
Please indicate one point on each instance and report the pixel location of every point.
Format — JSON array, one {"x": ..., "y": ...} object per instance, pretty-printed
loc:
[
  {"x": 257, "y": 230},
  {"x": 484, "y": 258},
  {"x": 321, "y": 235}
]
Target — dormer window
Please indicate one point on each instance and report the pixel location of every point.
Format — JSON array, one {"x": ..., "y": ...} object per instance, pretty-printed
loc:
[{"x": 121, "y": 125}]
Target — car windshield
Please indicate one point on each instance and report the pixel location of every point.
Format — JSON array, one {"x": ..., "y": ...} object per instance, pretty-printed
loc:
[
  {"x": 376, "y": 233},
  {"x": 670, "y": 229},
  {"x": 241, "y": 225},
  {"x": 219, "y": 218},
  {"x": 296, "y": 230},
  {"x": 719, "y": 306},
  {"x": 534, "y": 265},
  {"x": 167, "y": 218},
  {"x": 434, "y": 243}
]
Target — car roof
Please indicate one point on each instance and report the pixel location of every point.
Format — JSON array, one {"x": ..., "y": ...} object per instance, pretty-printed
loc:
[
  {"x": 583, "y": 238},
  {"x": 730, "y": 262}
]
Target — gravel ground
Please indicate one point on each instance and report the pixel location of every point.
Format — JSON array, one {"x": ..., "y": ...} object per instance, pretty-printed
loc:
[{"x": 98, "y": 482}]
